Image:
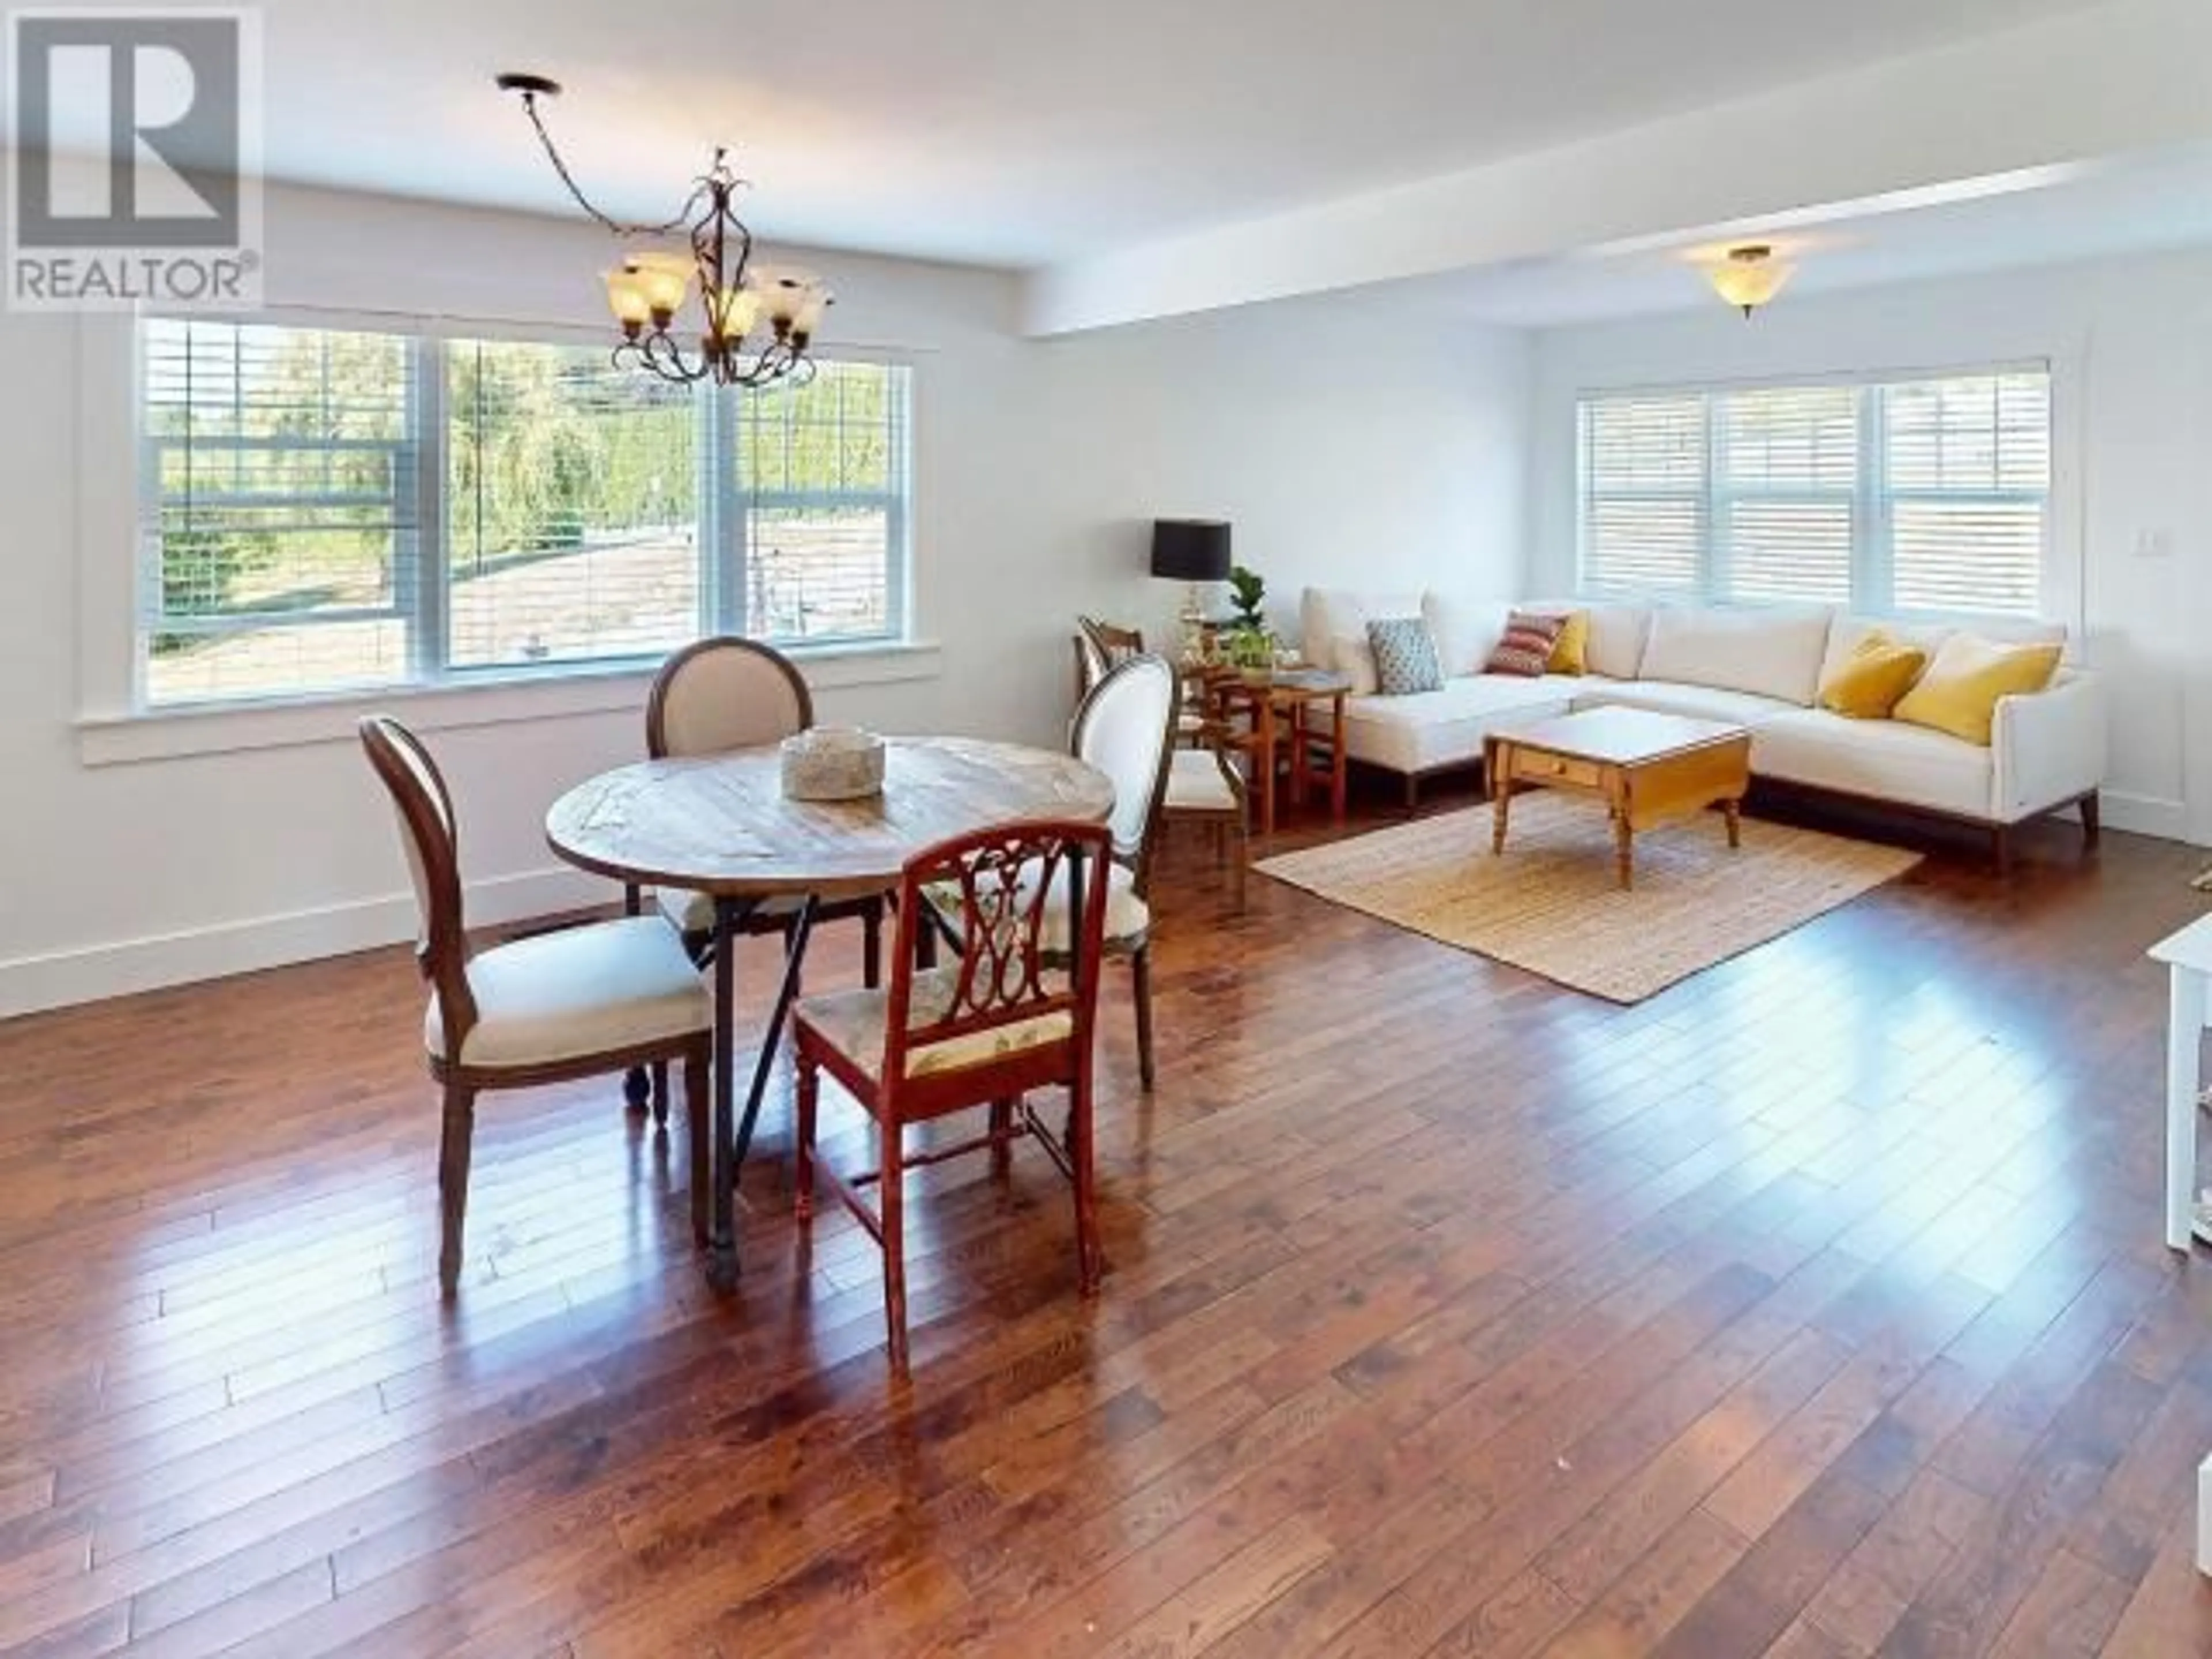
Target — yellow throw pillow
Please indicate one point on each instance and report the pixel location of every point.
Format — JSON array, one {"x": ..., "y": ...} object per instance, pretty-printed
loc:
[
  {"x": 1866, "y": 686},
  {"x": 1571, "y": 651},
  {"x": 1960, "y": 691}
]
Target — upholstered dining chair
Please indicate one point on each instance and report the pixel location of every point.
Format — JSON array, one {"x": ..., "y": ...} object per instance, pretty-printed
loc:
[
  {"x": 580, "y": 1002},
  {"x": 1125, "y": 727},
  {"x": 1009, "y": 1014},
  {"x": 712, "y": 697},
  {"x": 1204, "y": 784}
]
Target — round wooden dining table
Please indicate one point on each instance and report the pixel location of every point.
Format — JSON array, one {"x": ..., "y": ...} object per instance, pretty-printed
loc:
[{"x": 722, "y": 825}]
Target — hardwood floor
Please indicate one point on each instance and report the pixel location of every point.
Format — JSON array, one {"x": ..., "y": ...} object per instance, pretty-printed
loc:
[{"x": 1816, "y": 1308}]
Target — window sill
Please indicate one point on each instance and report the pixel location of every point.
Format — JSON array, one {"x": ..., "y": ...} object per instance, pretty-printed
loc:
[{"x": 227, "y": 728}]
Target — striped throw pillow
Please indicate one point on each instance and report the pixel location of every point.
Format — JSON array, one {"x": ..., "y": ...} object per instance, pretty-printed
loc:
[{"x": 1525, "y": 648}]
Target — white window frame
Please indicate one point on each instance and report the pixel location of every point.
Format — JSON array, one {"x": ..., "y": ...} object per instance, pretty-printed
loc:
[
  {"x": 2060, "y": 587},
  {"x": 116, "y": 725}
]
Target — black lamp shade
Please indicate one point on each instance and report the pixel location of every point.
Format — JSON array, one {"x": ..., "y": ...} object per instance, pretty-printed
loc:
[{"x": 1190, "y": 549}]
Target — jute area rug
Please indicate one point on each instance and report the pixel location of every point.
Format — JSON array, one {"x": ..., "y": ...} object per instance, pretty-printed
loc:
[{"x": 1551, "y": 904}]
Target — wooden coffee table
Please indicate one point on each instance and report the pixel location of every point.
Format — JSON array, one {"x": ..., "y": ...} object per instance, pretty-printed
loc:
[{"x": 1645, "y": 766}]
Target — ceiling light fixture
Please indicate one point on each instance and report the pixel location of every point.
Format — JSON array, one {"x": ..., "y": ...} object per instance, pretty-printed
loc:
[
  {"x": 756, "y": 323},
  {"x": 1750, "y": 275}
]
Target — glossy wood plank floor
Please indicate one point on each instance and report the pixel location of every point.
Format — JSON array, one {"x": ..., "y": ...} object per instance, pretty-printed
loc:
[{"x": 1814, "y": 1308}]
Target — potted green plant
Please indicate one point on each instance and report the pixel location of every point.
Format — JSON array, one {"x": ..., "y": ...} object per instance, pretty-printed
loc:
[{"x": 1247, "y": 642}]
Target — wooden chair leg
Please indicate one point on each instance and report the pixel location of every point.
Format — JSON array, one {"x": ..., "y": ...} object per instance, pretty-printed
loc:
[
  {"x": 807, "y": 1092},
  {"x": 660, "y": 1092},
  {"x": 698, "y": 1107},
  {"x": 1240, "y": 845},
  {"x": 893, "y": 1217},
  {"x": 872, "y": 933},
  {"x": 1002, "y": 1146},
  {"x": 1140, "y": 989},
  {"x": 2092, "y": 819},
  {"x": 1081, "y": 1157},
  {"x": 459, "y": 1135}
]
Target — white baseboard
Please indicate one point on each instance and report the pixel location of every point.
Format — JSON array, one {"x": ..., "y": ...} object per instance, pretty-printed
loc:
[
  {"x": 60, "y": 978},
  {"x": 2145, "y": 815}
]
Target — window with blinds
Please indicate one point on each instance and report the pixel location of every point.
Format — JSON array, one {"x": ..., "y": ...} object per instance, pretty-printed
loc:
[
  {"x": 1925, "y": 496},
  {"x": 821, "y": 479},
  {"x": 280, "y": 509},
  {"x": 323, "y": 511}
]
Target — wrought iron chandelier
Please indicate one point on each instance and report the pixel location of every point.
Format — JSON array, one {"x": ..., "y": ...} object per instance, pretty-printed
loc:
[{"x": 757, "y": 322}]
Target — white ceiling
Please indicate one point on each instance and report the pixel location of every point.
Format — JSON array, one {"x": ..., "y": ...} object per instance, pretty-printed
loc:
[
  {"x": 2142, "y": 203},
  {"x": 1022, "y": 132}
]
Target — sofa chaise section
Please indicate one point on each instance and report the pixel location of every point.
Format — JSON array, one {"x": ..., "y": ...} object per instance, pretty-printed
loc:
[{"x": 1758, "y": 668}]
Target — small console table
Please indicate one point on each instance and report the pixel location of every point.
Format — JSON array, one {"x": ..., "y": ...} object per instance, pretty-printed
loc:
[{"x": 2188, "y": 958}]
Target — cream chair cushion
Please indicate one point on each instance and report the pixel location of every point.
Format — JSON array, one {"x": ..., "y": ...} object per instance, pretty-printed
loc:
[
  {"x": 853, "y": 1023},
  {"x": 694, "y": 913},
  {"x": 583, "y": 991},
  {"x": 1195, "y": 783}
]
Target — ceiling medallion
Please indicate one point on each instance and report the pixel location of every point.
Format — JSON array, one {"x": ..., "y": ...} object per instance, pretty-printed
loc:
[{"x": 755, "y": 324}]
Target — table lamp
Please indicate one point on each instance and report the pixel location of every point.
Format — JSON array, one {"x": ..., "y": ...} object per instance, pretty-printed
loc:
[{"x": 1191, "y": 552}]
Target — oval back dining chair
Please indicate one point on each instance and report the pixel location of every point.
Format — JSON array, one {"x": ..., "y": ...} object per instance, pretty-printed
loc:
[
  {"x": 579, "y": 1002},
  {"x": 1204, "y": 784},
  {"x": 724, "y": 693},
  {"x": 1010, "y": 1013},
  {"x": 1125, "y": 727},
  {"x": 727, "y": 693}
]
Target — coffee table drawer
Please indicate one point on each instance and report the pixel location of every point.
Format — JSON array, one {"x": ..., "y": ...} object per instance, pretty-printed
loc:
[{"x": 1534, "y": 766}]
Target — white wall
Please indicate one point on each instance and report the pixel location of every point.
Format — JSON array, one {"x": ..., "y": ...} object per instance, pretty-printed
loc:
[
  {"x": 1347, "y": 443},
  {"x": 2130, "y": 343},
  {"x": 1335, "y": 444}
]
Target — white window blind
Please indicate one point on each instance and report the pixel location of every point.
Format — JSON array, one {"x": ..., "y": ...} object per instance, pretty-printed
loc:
[
  {"x": 322, "y": 511},
  {"x": 572, "y": 506},
  {"x": 1968, "y": 464},
  {"x": 279, "y": 495},
  {"x": 1645, "y": 493},
  {"x": 1786, "y": 477},
  {"x": 1926, "y": 495},
  {"x": 822, "y": 480}
]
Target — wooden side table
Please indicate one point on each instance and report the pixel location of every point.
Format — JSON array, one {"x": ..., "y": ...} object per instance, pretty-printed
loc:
[{"x": 1281, "y": 707}]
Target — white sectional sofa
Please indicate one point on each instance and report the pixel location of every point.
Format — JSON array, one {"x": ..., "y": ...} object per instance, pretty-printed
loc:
[{"x": 1758, "y": 668}]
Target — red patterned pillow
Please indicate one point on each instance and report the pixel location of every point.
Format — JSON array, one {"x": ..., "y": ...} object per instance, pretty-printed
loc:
[{"x": 1526, "y": 647}]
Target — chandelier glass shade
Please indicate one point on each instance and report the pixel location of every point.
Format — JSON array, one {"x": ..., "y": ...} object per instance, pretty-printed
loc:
[{"x": 755, "y": 324}]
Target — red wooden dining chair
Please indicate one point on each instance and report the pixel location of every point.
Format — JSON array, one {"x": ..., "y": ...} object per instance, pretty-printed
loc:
[{"x": 1001, "y": 1019}]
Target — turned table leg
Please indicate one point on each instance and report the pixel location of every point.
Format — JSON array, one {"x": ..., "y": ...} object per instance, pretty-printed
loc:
[{"x": 1501, "y": 794}]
